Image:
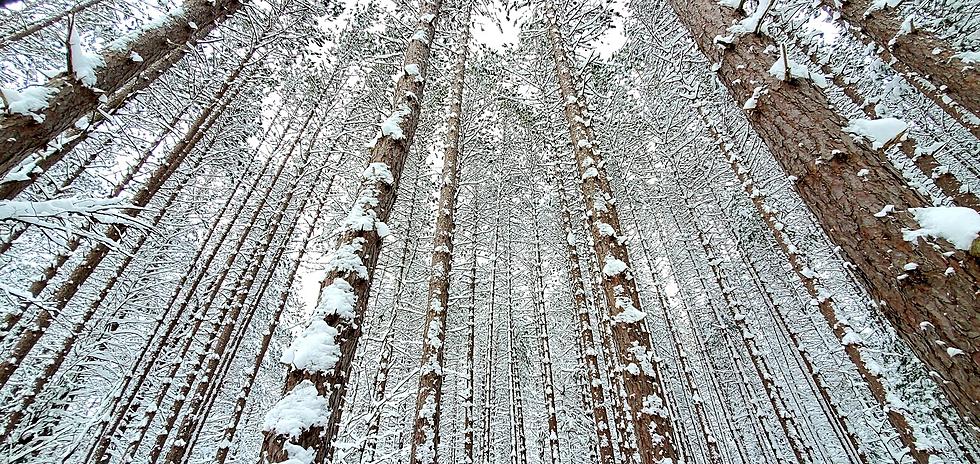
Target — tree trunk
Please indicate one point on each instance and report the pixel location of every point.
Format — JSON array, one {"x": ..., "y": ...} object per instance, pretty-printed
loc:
[
  {"x": 642, "y": 383},
  {"x": 800, "y": 129},
  {"x": 490, "y": 353},
  {"x": 589, "y": 355},
  {"x": 544, "y": 348},
  {"x": 362, "y": 241},
  {"x": 70, "y": 100},
  {"x": 915, "y": 55},
  {"x": 428, "y": 404}
]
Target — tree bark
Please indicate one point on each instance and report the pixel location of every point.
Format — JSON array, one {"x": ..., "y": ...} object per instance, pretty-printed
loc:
[
  {"x": 589, "y": 355},
  {"x": 544, "y": 348},
  {"x": 21, "y": 135},
  {"x": 915, "y": 55},
  {"x": 362, "y": 238},
  {"x": 641, "y": 380},
  {"x": 428, "y": 404},
  {"x": 804, "y": 135}
]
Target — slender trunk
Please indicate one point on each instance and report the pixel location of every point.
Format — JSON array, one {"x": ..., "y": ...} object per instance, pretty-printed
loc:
[
  {"x": 490, "y": 353},
  {"x": 647, "y": 409},
  {"x": 590, "y": 358},
  {"x": 804, "y": 135},
  {"x": 70, "y": 100},
  {"x": 428, "y": 405},
  {"x": 518, "y": 453},
  {"x": 468, "y": 398},
  {"x": 544, "y": 348},
  {"x": 360, "y": 242}
]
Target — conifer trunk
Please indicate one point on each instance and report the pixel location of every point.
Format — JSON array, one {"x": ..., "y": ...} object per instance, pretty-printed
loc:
[
  {"x": 594, "y": 384},
  {"x": 428, "y": 405},
  {"x": 22, "y": 135},
  {"x": 362, "y": 240},
  {"x": 645, "y": 397},
  {"x": 799, "y": 127}
]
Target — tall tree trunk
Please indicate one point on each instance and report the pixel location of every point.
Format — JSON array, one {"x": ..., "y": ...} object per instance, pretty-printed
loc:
[
  {"x": 518, "y": 453},
  {"x": 805, "y": 136},
  {"x": 428, "y": 404},
  {"x": 589, "y": 355},
  {"x": 641, "y": 380},
  {"x": 544, "y": 348},
  {"x": 490, "y": 353},
  {"x": 915, "y": 55},
  {"x": 360, "y": 243},
  {"x": 468, "y": 397},
  {"x": 70, "y": 100}
]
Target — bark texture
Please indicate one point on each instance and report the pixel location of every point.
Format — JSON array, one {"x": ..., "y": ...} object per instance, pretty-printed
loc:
[
  {"x": 640, "y": 377},
  {"x": 804, "y": 135},
  {"x": 70, "y": 100},
  {"x": 361, "y": 242},
  {"x": 428, "y": 405}
]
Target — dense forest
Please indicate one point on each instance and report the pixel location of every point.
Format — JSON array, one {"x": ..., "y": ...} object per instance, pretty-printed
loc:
[{"x": 490, "y": 231}]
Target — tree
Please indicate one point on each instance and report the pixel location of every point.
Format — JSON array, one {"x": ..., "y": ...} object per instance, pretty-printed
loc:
[
  {"x": 641, "y": 380},
  {"x": 355, "y": 259},
  {"x": 428, "y": 405},
  {"x": 800, "y": 129}
]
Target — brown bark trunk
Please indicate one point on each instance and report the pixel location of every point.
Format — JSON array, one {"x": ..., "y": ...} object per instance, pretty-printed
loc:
[
  {"x": 44, "y": 23},
  {"x": 800, "y": 129},
  {"x": 590, "y": 357},
  {"x": 544, "y": 348},
  {"x": 468, "y": 397},
  {"x": 641, "y": 380},
  {"x": 362, "y": 238},
  {"x": 21, "y": 135},
  {"x": 428, "y": 404},
  {"x": 915, "y": 58},
  {"x": 488, "y": 357}
]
